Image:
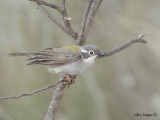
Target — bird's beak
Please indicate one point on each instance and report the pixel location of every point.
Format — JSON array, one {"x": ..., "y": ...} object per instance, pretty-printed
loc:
[{"x": 101, "y": 54}]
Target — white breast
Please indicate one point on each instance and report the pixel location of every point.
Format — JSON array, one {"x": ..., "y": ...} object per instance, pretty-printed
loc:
[{"x": 73, "y": 68}]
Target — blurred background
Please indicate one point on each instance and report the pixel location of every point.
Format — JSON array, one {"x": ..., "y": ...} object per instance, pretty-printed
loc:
[{"x": 115, "y": 88}]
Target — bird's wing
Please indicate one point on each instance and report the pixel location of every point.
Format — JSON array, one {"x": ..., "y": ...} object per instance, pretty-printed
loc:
[{"x": 50, "y": 56}]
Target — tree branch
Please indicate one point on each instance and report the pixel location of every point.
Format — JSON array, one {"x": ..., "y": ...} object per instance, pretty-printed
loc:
[
  {"x": 88, "y": 17},
  {"x": 56, "y": 98},
  {"x": 41, "y": 2},
  {"x": 52, "y": 18},
  {"x": 66, "y": 21},
  {"x": 80, "y": 39},
  {"x": 129, "y": 43},
  {"x": 31, "y": 93},
  {"x": 89, "y": 14},
  {"x": 67, "y": 28}
]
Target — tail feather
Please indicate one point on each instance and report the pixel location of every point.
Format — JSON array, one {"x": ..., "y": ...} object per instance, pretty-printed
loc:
[
  {"x": 35, "y": 57},
  {"x": 24, "y": 53},
  {"x": 42, "y": 62}
]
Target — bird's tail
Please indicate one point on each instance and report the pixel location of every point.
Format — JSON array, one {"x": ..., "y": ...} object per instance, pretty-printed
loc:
[
  {"x": 34, "y": 57},
  {"x": 23, "y": 53}
]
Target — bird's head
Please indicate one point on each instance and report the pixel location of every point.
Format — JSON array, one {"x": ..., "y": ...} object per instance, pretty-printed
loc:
[{"x": 89, "y": 51}]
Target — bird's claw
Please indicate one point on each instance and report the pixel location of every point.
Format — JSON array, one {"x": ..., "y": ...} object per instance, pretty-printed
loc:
[{"x": 69, "y": 80}]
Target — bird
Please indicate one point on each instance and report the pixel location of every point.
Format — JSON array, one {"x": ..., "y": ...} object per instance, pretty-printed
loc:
[{"x": 65, "y": 61}]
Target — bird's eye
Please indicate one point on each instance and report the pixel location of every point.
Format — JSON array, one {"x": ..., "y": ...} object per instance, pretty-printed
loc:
[{"x": 91, "y": 52}]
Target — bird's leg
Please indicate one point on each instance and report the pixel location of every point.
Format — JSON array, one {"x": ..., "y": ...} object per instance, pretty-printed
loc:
[
  {"x": 69, "y": 80},
  {"x": 75, "y": 76}
]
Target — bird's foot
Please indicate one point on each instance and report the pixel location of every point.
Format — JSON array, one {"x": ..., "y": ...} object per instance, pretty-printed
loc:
[{"x": 69, "y": 80}]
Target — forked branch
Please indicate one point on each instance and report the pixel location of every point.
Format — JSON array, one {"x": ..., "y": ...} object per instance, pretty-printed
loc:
[
  {"x": 67, "y": 28},
  {"x": 88, "y": 17}
]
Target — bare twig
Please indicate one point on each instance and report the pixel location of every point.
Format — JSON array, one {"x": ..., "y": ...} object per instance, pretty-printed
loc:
[
  {"x": 57, "y": 97},
  {"x": 31, "y": 93},
  {"x": 129, "y": 43},
  {"x": 41, "y": 2},
  {"x": 88, "y": 17},
  {"x": 67, "y": 28},
  {"x": 92, "y": 6},
  {"x": 66, "y": 21},
  {"x": 52, "y": 18},
  {"x": 80, "y": 39}
]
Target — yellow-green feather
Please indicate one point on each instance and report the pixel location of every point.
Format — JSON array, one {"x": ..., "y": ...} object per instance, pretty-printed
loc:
[{"x": 73, "y": 48}]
